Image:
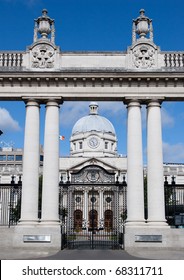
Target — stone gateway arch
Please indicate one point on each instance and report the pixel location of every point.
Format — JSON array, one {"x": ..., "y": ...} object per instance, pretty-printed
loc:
[{"x": 142, "y": 75}]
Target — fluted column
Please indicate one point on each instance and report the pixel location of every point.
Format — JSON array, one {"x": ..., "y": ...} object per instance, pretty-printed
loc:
[
  {"x": 50, "y": 191},
  {"x": 155, "y": 183},
  {"x": 29, "y": 205},
  {"x": 135, "y": 194}
]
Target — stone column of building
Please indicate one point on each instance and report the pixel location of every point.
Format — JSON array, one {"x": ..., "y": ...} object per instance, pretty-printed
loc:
[
  {"x": 155, "y": 183},
  {"x": 50, "y": 191},
  {"x": 85, "y": 209},
  {"x": 29, "y": 205},
  {"x": 101, "y": 207},
  {"x": 135, "y": 193}
]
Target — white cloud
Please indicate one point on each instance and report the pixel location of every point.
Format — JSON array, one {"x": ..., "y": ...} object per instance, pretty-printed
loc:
[
  {"x": 113, "y": 108},
  {"x": 7, "y": 123},
  {"x": 72, "y": 111},
  {"x": 173, "y": 152},
  {"x": 167, "y": 120}
]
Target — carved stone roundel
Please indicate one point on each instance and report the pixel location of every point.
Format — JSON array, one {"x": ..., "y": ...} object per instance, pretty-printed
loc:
[
  {"x": 143, "y": 56},
  {"x": 43, "y": 57}
]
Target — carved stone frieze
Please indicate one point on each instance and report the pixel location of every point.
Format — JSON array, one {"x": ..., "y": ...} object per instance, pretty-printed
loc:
[
  {"x": 143, "y": 56},
  {"x": 43, "y": 56}
]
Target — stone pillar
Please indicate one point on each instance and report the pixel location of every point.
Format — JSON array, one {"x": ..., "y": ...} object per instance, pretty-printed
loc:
[
  {"x": 101, "y": 204},
  {"x": 50, "y": 191},
  {"x": 155, "y": 183},
  {"x": 29, "y": 205},
  {"x": 135, "y": 182},
  {"x": 85, "y": 209},
  {"x": 101, "y": 209}
]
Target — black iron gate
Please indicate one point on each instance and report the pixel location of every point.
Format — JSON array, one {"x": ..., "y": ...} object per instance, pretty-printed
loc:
[
  {"x": 10, "y": 202},
  {"x": 174, "y": 203},
  {"x": 92, "y": 213}
]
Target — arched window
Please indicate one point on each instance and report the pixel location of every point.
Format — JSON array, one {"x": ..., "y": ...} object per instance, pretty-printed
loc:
[
  {"x": 108, "y": 220},
  {"x": 77, "y": 219}
]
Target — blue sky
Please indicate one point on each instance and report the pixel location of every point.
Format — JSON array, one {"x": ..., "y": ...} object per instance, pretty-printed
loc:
[{"x": 96, "y": 25}]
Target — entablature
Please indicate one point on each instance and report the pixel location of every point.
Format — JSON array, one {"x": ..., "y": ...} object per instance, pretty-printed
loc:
[{"x": 100, "y": 85}]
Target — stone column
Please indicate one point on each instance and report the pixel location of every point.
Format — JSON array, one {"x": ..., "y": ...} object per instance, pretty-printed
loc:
[
  {"x": 101, "y": 209},
  {"x": 101, "y": 204},
  {"x": 50, "y": 191},
  {"x": 135, "y": 182},
  {"x": 85, "y": 209},
  {"x": 155, "y": 183},
  {"x": 29, "y": 206}
]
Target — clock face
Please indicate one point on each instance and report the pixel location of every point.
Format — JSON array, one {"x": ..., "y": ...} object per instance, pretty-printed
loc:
[{"x": 93, "y": 142}]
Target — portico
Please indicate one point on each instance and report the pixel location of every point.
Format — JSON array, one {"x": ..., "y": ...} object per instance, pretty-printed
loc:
[{"x": 45, "y": 75}]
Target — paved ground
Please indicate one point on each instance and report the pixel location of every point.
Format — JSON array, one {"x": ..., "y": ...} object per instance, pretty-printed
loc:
[{"x": 138, "y": 254}]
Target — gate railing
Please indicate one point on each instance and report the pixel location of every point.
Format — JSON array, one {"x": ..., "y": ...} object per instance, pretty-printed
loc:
[
  {"x": 98, "y": 233},
  {"x": 10, "y": 202},
  {"x": 174, "y": 203}
]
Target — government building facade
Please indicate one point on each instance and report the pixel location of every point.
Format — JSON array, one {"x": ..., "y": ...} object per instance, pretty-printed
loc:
[{"x": 94, "y": 198}]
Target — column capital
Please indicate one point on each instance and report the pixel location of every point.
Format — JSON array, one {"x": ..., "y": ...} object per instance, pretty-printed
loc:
[
  {"x": 53, "y": 101},
  {"x": 154, "y": 102},
  {"x": 133, "y": 103},
  {"x": 32, "y": 102}
]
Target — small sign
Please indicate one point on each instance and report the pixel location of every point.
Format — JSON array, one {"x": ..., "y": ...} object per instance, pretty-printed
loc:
[
  {"x": 37, "y": 238},
  {"x": 148, "y": 238}
]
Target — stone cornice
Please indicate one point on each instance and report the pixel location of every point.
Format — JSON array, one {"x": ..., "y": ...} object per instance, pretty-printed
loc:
[{"x": 87, "y": 85}]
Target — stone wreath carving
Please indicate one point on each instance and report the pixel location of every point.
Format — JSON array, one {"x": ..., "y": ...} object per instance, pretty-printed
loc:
[
  {"x": 43, "y": 57},
  {"x": 144, "y": 56}
]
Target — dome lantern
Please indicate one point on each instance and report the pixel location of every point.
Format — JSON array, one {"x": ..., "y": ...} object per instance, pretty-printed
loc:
[{"x": 93, "y": 108}]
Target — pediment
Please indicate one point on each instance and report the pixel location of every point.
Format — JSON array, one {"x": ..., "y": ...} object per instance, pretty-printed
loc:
[
  {"x": 92, "y": 174},
  {"x": 92, "y": 161}
]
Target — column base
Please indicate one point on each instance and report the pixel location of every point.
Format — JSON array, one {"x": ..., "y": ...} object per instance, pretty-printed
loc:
[
  {"x": 149, "y": 237},
  {"x": 37, "y": 237},
  {"x": 157, "y": 223},
  {"x": 27, "y": 223},
  {"x": 46, "y": 223},
  {"x": 138, "y": 223}
]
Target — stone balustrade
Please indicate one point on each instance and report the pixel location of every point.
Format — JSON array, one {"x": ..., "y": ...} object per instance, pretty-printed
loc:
[
  {"x": 18, "y": 59},
  {"x": 11, "y": 59},
  {"x": 174, "y": 59}
]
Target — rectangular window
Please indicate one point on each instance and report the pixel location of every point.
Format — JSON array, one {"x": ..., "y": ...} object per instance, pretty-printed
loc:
[
  {"x": 64, "y": 176},
  {"x": 80, "y": 145},
  {"x": 10, "y": 157},
  {"x": 18, "y": 157},
  {"x": 2, "y": 157},
  {"x": 41, "y": 157},
  {"x": 106, "y": 145}
]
